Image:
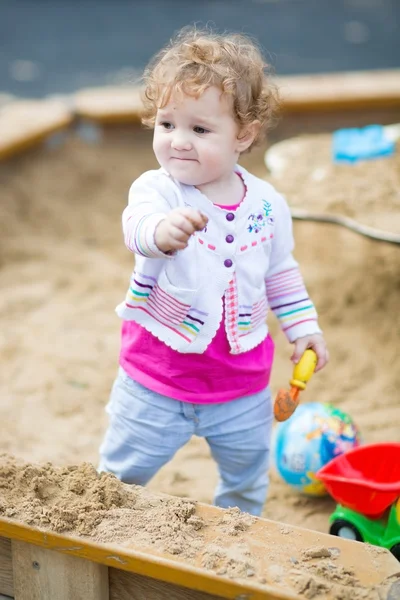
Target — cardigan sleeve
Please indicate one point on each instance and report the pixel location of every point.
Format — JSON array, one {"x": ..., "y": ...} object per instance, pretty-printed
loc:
[
  {"x": 151, "y": 197},
  {"x": 286, "y": 292}
]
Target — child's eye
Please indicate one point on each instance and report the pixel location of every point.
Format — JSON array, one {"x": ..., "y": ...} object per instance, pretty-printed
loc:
[
  {"x": 198, "y": 129},
  {"x": 166, "y": 125}
]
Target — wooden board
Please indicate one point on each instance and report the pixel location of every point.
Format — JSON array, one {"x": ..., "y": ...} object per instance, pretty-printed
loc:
[
  {"x": 39, "y": 573},
  {"x": 351, "y": 90},
  {"x": 130, "y": 586},
  {"x": 6, "y": 578},
  {"x": 275, "y": 547},
  {"x": 109, "y": 105},
  {"x": 25, "y": 123}
]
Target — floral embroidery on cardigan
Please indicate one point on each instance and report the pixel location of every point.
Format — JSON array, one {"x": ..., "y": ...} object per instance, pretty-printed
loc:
[{"x": 260, "y": 219}]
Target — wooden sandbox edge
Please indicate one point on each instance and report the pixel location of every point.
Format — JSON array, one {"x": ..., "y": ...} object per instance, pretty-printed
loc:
[
  {"x": 29, "y": 554},
  {"x": 25, "y": 123},
  {"x": 350, "y": 90},
  {"x": 119, "y": 571}
]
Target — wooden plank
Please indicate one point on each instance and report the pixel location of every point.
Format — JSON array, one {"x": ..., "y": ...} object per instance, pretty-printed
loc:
[
  {"x": 40, "y": 573},
  {"x": 28, "y": 122},
  {"x": 109, "y": 105},
  {"x": 271, "y": 545},
  {"x": 128, "y": 586},
  {"x": 350, "y": 90},
  {"x": 123, "y": 585},
  {"x": 6, "y": 580},
  {"x": 151, "y": 564},
  {"x": 25, "y": 123}
]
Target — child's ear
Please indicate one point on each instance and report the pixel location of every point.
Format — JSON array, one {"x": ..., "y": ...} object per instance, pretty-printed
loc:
[{"x": 247, "y": 136}]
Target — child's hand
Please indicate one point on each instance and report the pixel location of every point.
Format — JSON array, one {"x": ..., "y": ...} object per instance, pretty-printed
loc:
[
  {"x": 175, "y": 230},
  {"x": 317, "y": 343}
]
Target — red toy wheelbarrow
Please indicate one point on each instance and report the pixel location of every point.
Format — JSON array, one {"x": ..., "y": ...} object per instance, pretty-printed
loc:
[{"x": 366, "y": 483}]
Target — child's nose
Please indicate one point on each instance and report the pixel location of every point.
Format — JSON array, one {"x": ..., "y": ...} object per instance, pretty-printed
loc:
[{"x": 181, "y": 141}]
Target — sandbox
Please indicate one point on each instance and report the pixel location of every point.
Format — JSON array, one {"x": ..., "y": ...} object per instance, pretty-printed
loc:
[
  {"x": 70, "y": 533},
  {"x": 63, "y": 268}
]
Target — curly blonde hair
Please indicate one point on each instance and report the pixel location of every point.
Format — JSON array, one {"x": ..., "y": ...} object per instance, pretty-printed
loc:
[{"x": 197, "y": 59}]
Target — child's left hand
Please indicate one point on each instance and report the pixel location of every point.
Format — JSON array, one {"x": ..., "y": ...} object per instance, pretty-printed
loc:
[{"x": 317, "y": 343}]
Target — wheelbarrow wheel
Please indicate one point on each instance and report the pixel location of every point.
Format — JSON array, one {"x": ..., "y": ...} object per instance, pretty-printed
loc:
[
  {"x": 395, "y": 550},
  {"x": 345, "y": 529}
]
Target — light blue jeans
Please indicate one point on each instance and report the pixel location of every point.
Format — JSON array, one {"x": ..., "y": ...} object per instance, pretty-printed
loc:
[{"x": 146, "y": 429}]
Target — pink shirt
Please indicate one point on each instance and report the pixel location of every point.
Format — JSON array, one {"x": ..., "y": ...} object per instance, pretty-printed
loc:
[{"x": 214, "y": 376}]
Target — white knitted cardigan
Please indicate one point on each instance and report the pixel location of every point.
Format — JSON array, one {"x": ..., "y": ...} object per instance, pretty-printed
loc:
[{"x": 242, "y": 257}]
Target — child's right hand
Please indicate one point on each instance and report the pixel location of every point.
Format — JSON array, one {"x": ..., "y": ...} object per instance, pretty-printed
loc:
[{"x": 173, "y": 232}]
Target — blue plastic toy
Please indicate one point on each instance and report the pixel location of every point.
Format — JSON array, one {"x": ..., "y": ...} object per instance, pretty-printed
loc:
[{"x": 352, "y": 145}]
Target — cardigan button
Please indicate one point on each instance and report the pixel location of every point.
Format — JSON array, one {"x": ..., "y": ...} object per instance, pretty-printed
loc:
[
  {"x": 230, "y": 217},
  {"x": 228, "y": 263},
  {"x": 229, "y": 238}
]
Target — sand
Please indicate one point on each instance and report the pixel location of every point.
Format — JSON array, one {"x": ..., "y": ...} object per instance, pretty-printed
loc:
[
  {"x": 367, "y": 191},
  {"x": 63, "y": 268},
  {"x": 76, "y": 500}
]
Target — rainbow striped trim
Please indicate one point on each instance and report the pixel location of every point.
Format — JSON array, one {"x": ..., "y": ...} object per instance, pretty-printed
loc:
[
  {"x": 139, "y": 234},
  {"x": 289, "y": 300},
  {"x": 251, "y": 316},
  {"x": 146, "y": 295}
]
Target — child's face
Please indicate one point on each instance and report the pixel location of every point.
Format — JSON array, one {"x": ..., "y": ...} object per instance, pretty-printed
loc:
[{"x": 196, "y": 140}]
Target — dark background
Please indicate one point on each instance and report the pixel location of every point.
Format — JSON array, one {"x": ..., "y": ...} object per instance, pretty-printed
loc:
[{"x": 59, "y": 46}]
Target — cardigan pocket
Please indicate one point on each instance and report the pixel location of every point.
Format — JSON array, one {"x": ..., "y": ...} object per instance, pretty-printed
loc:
[
  {"x": 251, "y": 317},
  {"x": 170, "y": 303},
  {"x": 259, "y": 312}
]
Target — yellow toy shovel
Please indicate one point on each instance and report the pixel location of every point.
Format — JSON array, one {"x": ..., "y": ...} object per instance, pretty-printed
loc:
[{"x": 286, "y": 401}]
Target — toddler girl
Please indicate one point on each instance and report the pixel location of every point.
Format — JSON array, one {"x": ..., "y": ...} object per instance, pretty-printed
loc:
[{"x": 213, "y": 248}]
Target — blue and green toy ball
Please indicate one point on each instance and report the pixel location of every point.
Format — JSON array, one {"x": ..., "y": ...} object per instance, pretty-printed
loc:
[{"x": 309, "y": 439}]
